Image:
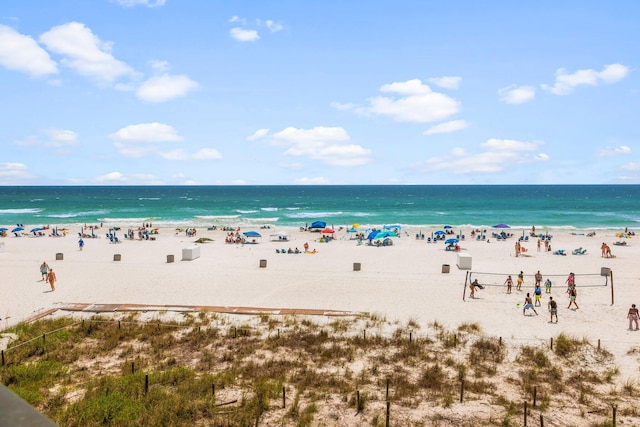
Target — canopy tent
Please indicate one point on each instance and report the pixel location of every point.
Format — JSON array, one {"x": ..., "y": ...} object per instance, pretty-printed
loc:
[
  {"x": 251, "y": 234},
  {"x": 385, "y": 234},
  {"x": 282, "y": 235},
  {"x": 392, "y": 227},
  {"x": 318, "y": 225}
]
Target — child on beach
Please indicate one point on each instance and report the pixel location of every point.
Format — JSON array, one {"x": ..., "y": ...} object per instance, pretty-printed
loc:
[{"x": 547, "y": 286}]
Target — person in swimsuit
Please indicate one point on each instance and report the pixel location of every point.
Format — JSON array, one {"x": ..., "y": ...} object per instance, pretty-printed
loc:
[
  {"x": 520, "y": 280},
  {"x": 538, "y": 295},
  {"x": 44, "y": 269},
  {"x": 51, "y": 277},
  {"x": 547, "y": 286},
  {"x": 528, "y": 304},
  {"x": 573, "y": 293},
  {"x": 509, "y": 283}
]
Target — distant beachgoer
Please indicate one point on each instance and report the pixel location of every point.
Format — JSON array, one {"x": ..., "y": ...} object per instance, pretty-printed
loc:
[
  {"x": 539, "y": 245},
  {"x": 81, "y": 244},
  {"x": 519, "y": 281},
  {"x": 44, "y": 269},
  {"x": 538, "y": 294},
  {"x": 528, "y": 304},
  {"x": 546, "y": 245},
  {"x": 573, "y": 293},
  {"x": 603, "y": 248},
  {"x": 509, "y": 283},
  {"x": 517, "y": 248},
  {"x": 633, "y": 316},
  {"x": 547, "y": 286},
  {"x": 51, "y": 277},
  {"x": 472, "y": 287},
  {"x": 553, "y": 309}
]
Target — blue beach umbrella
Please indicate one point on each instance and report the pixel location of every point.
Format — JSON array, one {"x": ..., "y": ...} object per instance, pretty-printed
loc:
[
  {"x": 35, "y": 230},
  {"x": 252, "y": 234},
  {"x": 447, "y": 226},
  {"x": 439, "y": 232},
  {"x": 501, "y": 226},
  {"x": 15, "y": 230},
  {"x": 451, "y": 241},
  {"x": 372, "y": 235},
  {"x": 3, "y": 229}
]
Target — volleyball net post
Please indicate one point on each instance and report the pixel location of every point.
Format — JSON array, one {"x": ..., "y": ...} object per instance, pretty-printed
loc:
[
  {"x": 611, "y": 280},
  {"x": 464, "y": 291}
]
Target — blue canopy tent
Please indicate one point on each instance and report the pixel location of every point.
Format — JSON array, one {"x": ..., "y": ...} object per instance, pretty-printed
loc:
[
  {"x": 252, "y": 235},
  {"x": 318, "y": 225},
  {"x": 384, "y": 234}
]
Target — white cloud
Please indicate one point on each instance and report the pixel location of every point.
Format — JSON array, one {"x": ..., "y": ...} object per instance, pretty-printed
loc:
[
  {"x": 326, "y": 144},
  {"x": 615, "y": 151},
  {"x": 60, "y": 137},
  {"x": 259, "y": 134},
  {"x": 165, "y": 87},
  {"x": 146, "y": 132},
  {"x": 85, "y": 53},
  {"x": 273, "y": 26},
  {"x": 447, "y": 127},
  {"x": 631, "y": 166},
  {"x": 203, "y": 154},
  {"x": 312, "y": 181},
  {"x": 120, "y": 178},
  {"x": 14, "y": 172},
  {"x": 148, "y": 3},
  {"x": 498, "y": 155},
  {"x": 416, "y": 103},
  {"x": 235, "y": 19},
  {"x": 517, "y": 94},
  {"x": 243, "y": 35},
  {"x": 565, "y": 83},
  {"x": 22, "y": 53},
  {"x": 447, "y": 82}
]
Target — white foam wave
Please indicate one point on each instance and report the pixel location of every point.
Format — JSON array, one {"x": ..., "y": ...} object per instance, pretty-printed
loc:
[
  {"x": 264, "y": 220},
  {"x": 313, "y": 214},
  {"x": 246, "y": 212},
  {"x": 19, "y": 211},
  {"x": 269, "y": 209},
  {"x": 77, "y": 214},
  {"x": 217, "y": 216}
]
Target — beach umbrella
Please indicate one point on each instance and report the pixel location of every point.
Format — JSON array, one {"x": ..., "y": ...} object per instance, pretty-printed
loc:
[
  {"x": 15, "y": 230},
  {"x": 35, "y": 230},
  {"x": 392, "y": 227},
  {"x": 252, "y": 234},
  {"x": 501, "y": 226},
  {"x": 328, "y": 231},
  {"x": 385, "y": 234},
  {"x": 452, "y": 241},
  {"x": 355, "y": 226},
  {"x": 447, "y": 226},
  {"x": 3, "y": 229},
  {"x": 372, "y": 235},
  {"x": 439, "y": 232}
]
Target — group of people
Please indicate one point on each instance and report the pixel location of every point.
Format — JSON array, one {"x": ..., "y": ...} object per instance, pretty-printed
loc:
[
  {"x": 606, "y": 251},
  {"x": 48, "y": 275}
]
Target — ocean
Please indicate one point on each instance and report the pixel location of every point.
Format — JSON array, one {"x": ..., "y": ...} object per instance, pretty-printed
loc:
[{"x": 545, "y": 206}]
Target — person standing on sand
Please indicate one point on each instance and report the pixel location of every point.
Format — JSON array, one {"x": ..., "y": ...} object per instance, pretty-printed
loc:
[
  {"x": 80, "y": 243},
  {"x": 509, "y": 283},
  {"x": 528, "y": 304},
  {"x": 553, "y": 309},
  {"x": 538, "y": 295},
  {"x": 519, "y": 281},
  {"x": 547, "y": 286},
  {"x": 51, "y": 277},
  {"x": 633, "y": 317},
  {"x": 573, "y": 293},
  {"x": 538, "y": 278},
  {"x": 44, "y": 269},
  {"x": 517, "y": 248},
  {"x": 539, "y": 245}
]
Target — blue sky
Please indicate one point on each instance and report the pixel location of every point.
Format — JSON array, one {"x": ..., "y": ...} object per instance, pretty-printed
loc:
[{"x": 134, "y": 92}]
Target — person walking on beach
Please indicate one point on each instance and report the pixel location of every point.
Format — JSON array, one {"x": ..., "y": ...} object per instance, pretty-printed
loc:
[
  {"x": 81, "y": 243},
  {"x": 571, "y": 281},
  {"x": 553, "y": 309},
  {"x": 539, "y": 245},
  {"x": 51, "y": 277},
  {"x": 472, "y": 288},
  {"x": 573, "y": 293},
  {"x": 633, "y": 317},
  {"x": 44, "y": 269},
  {"x": 519, "y": 281},
  {"x": 509, "y": 283},
  {"x": 528, "y": 304},
  {"x": 517, "y": 248}
]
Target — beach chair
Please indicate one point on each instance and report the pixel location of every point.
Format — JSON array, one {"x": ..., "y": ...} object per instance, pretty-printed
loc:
[
  {"x": 559, "y": 252},
  {"x": 579, "y": 251}
]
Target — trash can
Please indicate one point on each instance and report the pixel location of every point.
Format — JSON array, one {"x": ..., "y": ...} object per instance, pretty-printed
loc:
[
  {"x": 170, "y": 258},
  {"x": 263, "y": 263},
  {"x": 117, "y": 257},
  {"x": 605, "y": 271},
  {"x": 445, "y": 268},
  {"x": 59, "y": 256},
  {"x": 356, "y": 266}
]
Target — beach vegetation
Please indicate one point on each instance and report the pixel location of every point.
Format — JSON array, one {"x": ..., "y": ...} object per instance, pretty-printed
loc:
[{"x": 217, "y": 370}]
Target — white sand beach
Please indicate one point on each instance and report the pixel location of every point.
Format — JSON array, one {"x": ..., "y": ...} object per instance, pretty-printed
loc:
[{"x": 401, "y": 282}]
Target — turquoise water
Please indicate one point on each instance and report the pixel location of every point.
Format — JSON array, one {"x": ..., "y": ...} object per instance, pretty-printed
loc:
[{"x": 571, "y": 206}]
